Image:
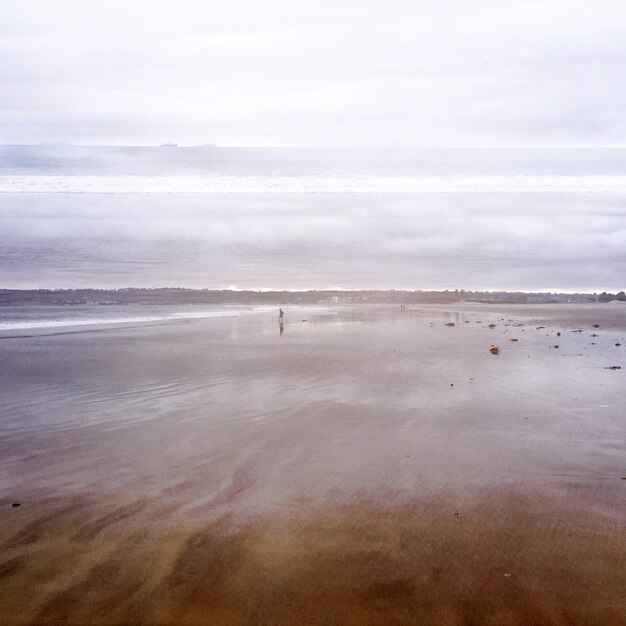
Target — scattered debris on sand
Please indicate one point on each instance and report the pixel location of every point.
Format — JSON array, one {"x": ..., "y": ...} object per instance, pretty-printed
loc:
[
  {"x": 613, "y": 367},
  {"x": 492, "y": 325},
  {"x": 494, "y": 350},
  {"x": 450, "y": 324},
  {"x": 540, "y": 327}
]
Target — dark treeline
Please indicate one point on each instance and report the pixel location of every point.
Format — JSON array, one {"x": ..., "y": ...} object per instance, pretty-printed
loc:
[
  {"x": 172, "y": 295},
  {"x": 608, "y": 297}
]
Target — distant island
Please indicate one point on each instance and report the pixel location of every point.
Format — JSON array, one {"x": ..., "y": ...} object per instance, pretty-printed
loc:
[
  {"x": 175, "y": 295},
  {"x": 175, "y": 145}
]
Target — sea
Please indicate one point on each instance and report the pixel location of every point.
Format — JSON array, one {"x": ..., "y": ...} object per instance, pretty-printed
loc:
[{"x": 534, "y": 219}]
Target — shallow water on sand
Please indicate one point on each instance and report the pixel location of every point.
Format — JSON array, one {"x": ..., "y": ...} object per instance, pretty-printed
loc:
[
  {"x": 350, "y": 399},
  {"x": 343, "y": 430}
]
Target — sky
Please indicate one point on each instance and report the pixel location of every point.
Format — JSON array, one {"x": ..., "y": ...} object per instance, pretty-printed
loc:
[
  {"x": 495, "y": 241},
  {"x": 323, "y": 73},
  {"x": 389, "y": 74}
]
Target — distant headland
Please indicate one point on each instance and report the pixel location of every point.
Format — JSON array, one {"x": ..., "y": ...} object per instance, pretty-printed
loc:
[{"x": 175, "y": 295}]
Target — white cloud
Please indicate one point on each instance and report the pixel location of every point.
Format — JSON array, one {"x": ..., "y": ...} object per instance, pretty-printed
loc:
[{"x": 323, "y": 73}]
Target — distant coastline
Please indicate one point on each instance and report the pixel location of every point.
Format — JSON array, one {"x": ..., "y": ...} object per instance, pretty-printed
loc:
[{"x": 173, "y": 295}]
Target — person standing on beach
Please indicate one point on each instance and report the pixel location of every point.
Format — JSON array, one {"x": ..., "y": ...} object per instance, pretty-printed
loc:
[{"x": 281, "y": 325}]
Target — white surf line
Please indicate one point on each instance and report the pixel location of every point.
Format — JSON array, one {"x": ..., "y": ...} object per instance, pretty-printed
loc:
[
  {"x": 65, "y": 323},
  {"x": 13, "y": 325}
]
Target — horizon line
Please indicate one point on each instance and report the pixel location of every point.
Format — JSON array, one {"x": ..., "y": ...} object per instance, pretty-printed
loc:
[
  {"x": 60, "y": 144},
  {"x": 328, "y": 289}
]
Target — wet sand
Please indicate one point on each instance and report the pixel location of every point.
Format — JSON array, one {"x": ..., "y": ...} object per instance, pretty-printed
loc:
[{"x": 368, "y": 466}]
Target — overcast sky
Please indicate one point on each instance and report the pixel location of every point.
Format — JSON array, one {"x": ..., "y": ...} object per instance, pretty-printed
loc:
[
  {"x": 298, "y": 72},
  {"x": 558, "y": 242}
]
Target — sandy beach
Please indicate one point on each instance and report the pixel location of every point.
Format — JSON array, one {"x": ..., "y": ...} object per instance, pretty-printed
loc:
[{"x": 369, "y": 465}]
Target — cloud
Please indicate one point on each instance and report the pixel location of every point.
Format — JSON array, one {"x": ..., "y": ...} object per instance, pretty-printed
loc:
[
  {"x": 486, "y": 241},
  {"x": 324, "y": 73}
]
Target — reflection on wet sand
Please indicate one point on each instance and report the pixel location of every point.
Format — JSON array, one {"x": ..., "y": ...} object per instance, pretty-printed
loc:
[{"x": 372, "y": 466}]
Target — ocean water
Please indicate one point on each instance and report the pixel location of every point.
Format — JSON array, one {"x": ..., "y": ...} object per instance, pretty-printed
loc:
[
  {"x": 29, "y": 320},
  {"x": 51, "y": 318},
  {"x": 531, "y": 219}
]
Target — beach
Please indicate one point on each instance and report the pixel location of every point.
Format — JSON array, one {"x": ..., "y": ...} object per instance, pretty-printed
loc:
[{"x": 368, "y": 465}]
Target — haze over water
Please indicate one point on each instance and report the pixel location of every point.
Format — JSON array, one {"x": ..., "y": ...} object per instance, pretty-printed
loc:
[{"x": 506, "y": 218}]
